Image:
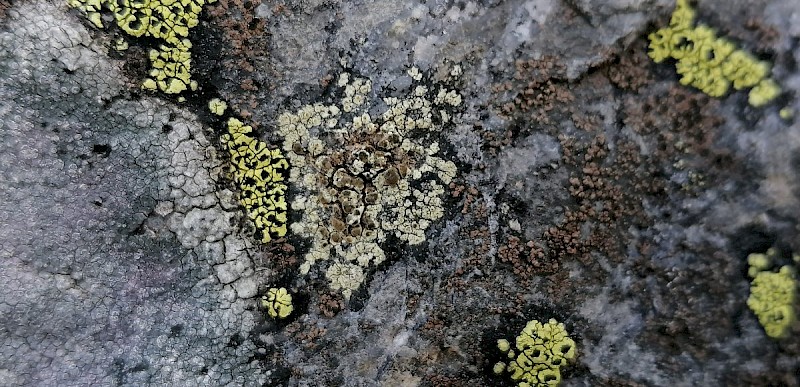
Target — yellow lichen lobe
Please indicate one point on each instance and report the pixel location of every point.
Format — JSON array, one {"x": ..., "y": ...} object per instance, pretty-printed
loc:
[
  {"x": 92, "y": 9},
  {"x": 120, "y": 44},
  {"x": 278, "y": 303},
  {"x": 764, "y": 92},
  {"x": 541, "y": 351},
  {"x": 773, "y": 295},
  {"x": 217, "y": 106},
  {"x": 166, "y": 20},
  {"x": 259, "y": 173},
  {"x": 710, "y": 63}
]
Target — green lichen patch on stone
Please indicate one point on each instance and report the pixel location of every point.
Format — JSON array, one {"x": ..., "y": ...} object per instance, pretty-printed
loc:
[{"x": 278, "y": 303}]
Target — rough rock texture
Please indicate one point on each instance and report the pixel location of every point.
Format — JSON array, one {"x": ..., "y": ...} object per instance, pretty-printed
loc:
[{"x": 591, "y": 188}]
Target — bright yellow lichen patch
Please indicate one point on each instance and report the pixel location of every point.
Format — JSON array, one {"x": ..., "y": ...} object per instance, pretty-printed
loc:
[
  {"x": 710, "y": 63},
  {"x": 773, "y": 296},
  {"x": 278, "y": 303},
  {"x": 365, "y": 178},
  {"x": 259, "y": 173},
  {"x": 541, "y": 351},
  {"x": 166, "y": 20}
]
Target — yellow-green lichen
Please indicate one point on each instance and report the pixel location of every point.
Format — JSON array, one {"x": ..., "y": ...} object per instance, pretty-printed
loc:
[
  {"x": 120, "y": 44},
  {"x": 539, "y": 352},
  {"x": 166, "y": 20},
  {"x": 763, "y": 92},
  {"x": 217, "y": 106},
  {"x": 773, "y": 296},
  {"x": 365, "y": 178},
  {"x": 278, "y": 303},
  {"x": 259, "y": 172},
  {"x": 710, "y": 63}
]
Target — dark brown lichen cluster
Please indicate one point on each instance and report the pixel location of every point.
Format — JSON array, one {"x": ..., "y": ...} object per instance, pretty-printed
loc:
[
  {"x": 306, "y": 333},
  {"x": 246, "y": 41},
  {"x": 278, "y": 256},
  {"x": 537, "y": 90},
  {"x": 526, "y": 258},
  {"x": 494, "y": 143},
  {"x": 5, "y": 5},
  {"x": 631, "y": 70},
  {"x": 607, "y": 189},
  {"x": 330, "y": 303},
  {"x": 679, "y": 126},
  {"x": 468, "y": 197},
  {"x": 609, "y": 181}
]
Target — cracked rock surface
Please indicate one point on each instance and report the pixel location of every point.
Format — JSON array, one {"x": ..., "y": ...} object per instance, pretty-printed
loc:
[{"x": 119, "y": 261}]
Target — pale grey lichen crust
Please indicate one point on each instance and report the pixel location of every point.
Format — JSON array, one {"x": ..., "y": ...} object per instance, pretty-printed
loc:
[{"x": 362, "y": 179}]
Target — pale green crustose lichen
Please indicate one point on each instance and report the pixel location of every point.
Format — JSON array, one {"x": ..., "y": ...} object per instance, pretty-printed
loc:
[
  {"x": 364, "y": 178},
  {"x": 217, "y": 106}
]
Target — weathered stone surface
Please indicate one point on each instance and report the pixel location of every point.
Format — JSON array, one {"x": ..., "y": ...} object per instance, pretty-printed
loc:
[{"x": 592, "y": 188}]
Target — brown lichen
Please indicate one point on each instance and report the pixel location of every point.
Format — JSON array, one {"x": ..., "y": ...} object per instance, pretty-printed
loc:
[
  {"x": 246, "y": 41},
  {"x": 5, "y": 5},
  {"x": 527, "y": 259},
  {"x": 538, "y": 90},
  {"x": 330, "y": 303},
  {"x": 607, "y": 189},
  {"x": 306, "y": 334},
  {"x": 631, "y": 72}
]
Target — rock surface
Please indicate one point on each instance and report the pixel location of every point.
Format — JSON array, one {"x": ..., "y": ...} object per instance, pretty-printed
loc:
[{"x": 592, "y": 188}]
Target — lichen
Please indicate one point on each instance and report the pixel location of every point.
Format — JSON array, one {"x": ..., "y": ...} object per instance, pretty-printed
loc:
[
  {"x": 362, "y": 178},
  {"x": 259, "y": 172},
  {"x": 541, "y": 351},
  {"x": 773, "y": 296},
  {"x": 217, "y": 106},
  {"x": 345, "y": 277},
  {"x": 710, "y": 63},
  {"x": 120, "y": 44},
  {"x": 278, "y": 303},
  {"x": 166, "y": 20}
]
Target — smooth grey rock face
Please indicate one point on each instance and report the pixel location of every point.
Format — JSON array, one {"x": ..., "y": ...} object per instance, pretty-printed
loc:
[{"x": 126, "y": 259}]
